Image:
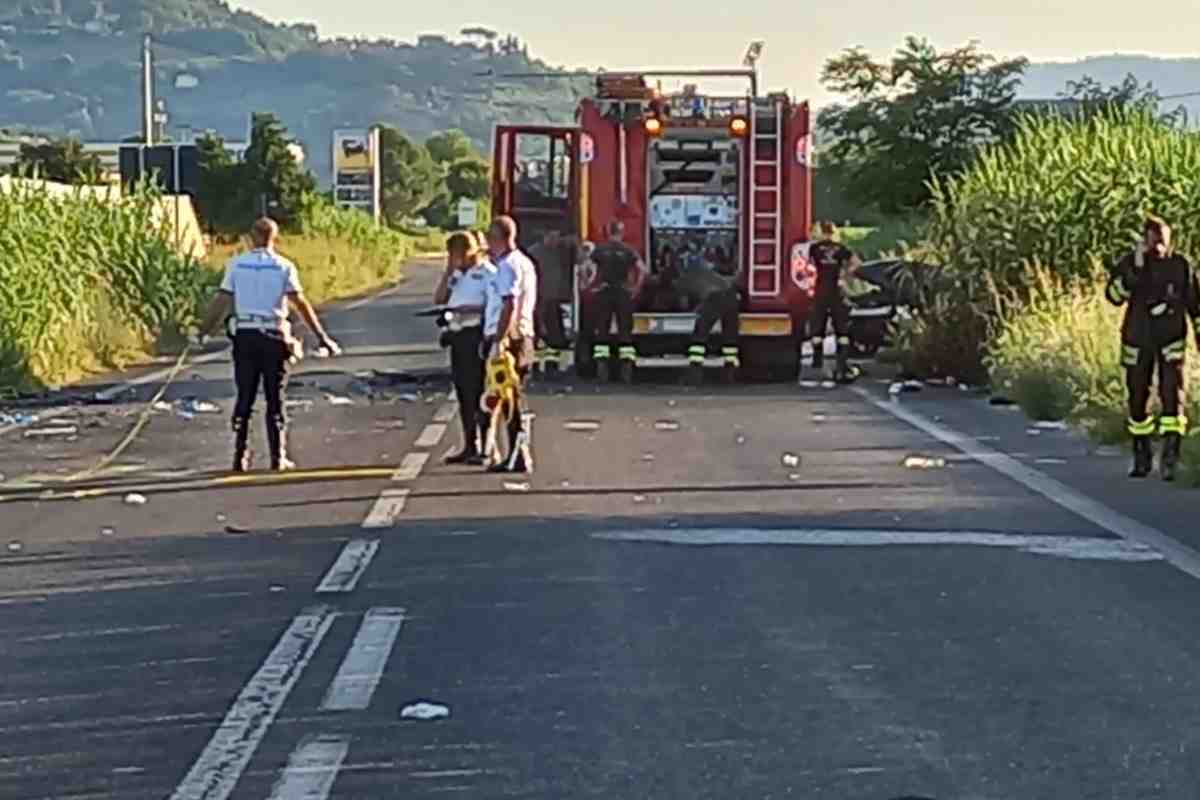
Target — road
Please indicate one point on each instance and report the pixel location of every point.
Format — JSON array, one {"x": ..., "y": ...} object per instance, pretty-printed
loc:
[{"x": 673, "y": 606}]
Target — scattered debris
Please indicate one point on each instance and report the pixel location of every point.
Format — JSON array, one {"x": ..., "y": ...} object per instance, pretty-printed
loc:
[
  {"x": 666, "y": 425},
  {"x": 740, "y": 438},
  {"x": 424, "y": 711},
  {"x": 791, "y": 460},
  {"x": 194, "y": 406},
  {"x": 107, "y": 531},
  {"x": 819, "y": 418},
  {"x": 15, "y": 547},
  {"x": 1051, "y": 461},
  {"x": 647, "y": 457},
  {"x": 338, "y": 400},
  {"x": 639, "y": 498},
  {"x": 275, "y": 588},
  {"x": 924, "y": 462},
  {"x": 809, "y": 384},
  {"x": 565, "y": 484},
  {"x": 221, "y": 518},
  {"x": 19, "y": 420},
  {"x": 163, "y": 407},
  {"x": 236, "y": 529},
  {"x": 795, "y": 476},
  {"x": 513, "y": 486},
  {"x": 672, "y": 403},
  {"x": 828, "y": 385},
  {"x": 582, "y": 425},
  {"x": 408, "y": 397},
  {"x": 135, "y": 499},
  {"x": 1048, "y": 425},
  {"x": 49, "y": 433}
]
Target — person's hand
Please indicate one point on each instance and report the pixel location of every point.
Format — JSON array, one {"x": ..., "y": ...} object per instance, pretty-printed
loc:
[
  {"x": 329, "y": 347},
  {"x": 1139, "y": 255}
]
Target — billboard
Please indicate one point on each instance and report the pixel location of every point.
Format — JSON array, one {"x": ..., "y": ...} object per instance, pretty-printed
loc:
[{"x": 356, "y": 170}]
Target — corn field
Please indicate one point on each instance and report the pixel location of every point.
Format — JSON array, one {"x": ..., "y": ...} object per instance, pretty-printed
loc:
[{"x": 73, "y": 264}]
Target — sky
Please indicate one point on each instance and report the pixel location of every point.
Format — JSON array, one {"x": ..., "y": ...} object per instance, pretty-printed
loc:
[{"x": 800, "y": 35}]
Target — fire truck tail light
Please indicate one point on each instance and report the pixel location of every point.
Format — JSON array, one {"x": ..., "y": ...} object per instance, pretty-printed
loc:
[
  {"x": 653, "y": 126},
  {"x": 738, "y": 126}
]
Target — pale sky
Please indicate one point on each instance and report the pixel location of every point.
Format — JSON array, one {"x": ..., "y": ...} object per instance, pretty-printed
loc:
[{"x": 799, "y": 35}]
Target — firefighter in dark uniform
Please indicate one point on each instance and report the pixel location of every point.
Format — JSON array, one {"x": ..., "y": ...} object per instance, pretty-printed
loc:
[
  {"x": 619, "y": 275},
  {"x": 1159, "y": 290},
  {"x": 717, "y": 292},
  {"x": 256, "y": 292},
  {"x": 834, "y": 262}
]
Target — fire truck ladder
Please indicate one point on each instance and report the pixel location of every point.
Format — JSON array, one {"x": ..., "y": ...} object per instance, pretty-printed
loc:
[{"x": 766, "y": 196}]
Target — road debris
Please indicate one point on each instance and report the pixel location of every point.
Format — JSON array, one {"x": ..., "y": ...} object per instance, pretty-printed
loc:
[
  {"x": 19, "y": 420},
  {"x": 408, "y": 397},
  {"x": 513, "y": 486},
  {"x": 15, "y": 547},
  {"x": 582, "y": 425},
  {"x": 790, "y": 460},
  {"x": 163, "y": 407},
  {"x": 1050, "y": 425},
  {"x": 424, "y": 711},
  {"x": 339, "y": 400},
  {"x": 795, "y": 476},
  {"x": 106, "y": 531},
  {"x": 647, "y": 457},
  {"x": 639, "y": 498},
  {"x": 666, "y": 425},
  {"x": 819, "y": 418},
  {"x": 275, "y": 588},
  {"x": 924, "y": 462},
  {"x": 390, "y": 425},
  {"x": 740, "y": 438},
  {"x": 236, "y": 529},
  {"x": 192, "y": 405},
  {"x": 50, "y": 433},
  {"x": 135, "y": 499}
]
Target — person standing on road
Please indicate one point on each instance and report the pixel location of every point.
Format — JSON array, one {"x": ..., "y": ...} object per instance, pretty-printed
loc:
[
  {"x": 834, "y": 262},
  {"x": 463, "y": 289},
  {"x": 620, "y": 273},
  {"x": 554, "y": 260},
  {"x": 1160, "y": 291},
  {"x": 508, "y": 325},
  {"x": 258, "y": 287}
]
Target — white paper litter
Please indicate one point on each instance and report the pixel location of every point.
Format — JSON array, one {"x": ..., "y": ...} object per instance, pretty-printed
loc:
[
  {"x": 48, "y": 433},
  {"x": 582, "y": 425},
  {"x": 809, "y": 384},
  {"x": 339, "y": 400},
  {"x": 14, "y": 547},
  {"x": 516, "y": 487},
  {"x": 666, "y": 425},
  {"x": 424, "y": 711},
  {"x": 135, "y": 499},
  {"x": 924, "y": 462},
  {"x": 791, "y": 460}
]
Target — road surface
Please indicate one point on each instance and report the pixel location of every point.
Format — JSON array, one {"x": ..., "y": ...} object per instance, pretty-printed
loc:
[{"x": 716, "y": 593}]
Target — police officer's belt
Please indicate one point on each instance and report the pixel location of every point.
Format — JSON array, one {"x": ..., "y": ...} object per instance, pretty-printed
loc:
[
  {"x": 457, "y": 320},
  {"x": 258, "y": 322}
]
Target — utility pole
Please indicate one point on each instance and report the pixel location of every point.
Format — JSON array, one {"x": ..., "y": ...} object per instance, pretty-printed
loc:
[{"x": 147, "y": 93}]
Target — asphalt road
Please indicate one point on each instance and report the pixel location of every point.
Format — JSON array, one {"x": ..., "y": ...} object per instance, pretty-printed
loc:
[{"x": 715, "y": 593}]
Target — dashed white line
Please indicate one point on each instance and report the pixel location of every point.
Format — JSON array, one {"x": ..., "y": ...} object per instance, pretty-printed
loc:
[
  {"x": 222, "y": 762},
  {"x": 362, "y": 668},
  {"x": 387, "y": 509},
  {"x": 446, "y": 412},
  {"x": 350, "y": 565},
  {"x": 1180, "y": 555},
  {"x": 429, "y": 437},
  {"x": 311, "y": 769},
  {"x": 410, "y": 467}
]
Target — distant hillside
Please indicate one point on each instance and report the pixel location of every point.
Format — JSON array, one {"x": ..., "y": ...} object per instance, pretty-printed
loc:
[
  {"x": 1168, "y": 76},
  {"x": 72, "y": 66}
]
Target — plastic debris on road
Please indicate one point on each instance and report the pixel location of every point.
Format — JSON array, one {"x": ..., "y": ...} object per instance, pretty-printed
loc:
[
  {"x": 795, "y": 476},
  {"x": 408, "y": 397},
  {"x": 810, "y": 384},
  {"x": 15, "y": 547},
  {"x": 513, "y": 486},
  {"x": 107, "y": 531},
  {"x": 790, "y": 460},
  {"x": 819, "y": 418},
  {"x": 338, "y": 400},
  {"x": 740, "y": 438},
  {"x": 424, "y": 711},
  {"x": 639, "y": 498},
  {"x": 193, "y": 406},
  {"x": 666, "y": 425},
  {"x": 135, "y": 499},
  {"x": 19, "y": 420},
  {"x": 51, "y": 433},
  {"x": 924, "y": 462},
  {"x": 1048, "y": 425},
  {"x": 828, "y": 385},
  {"x": 163, "y": 407},
  {"x": 275, "y": 588},
  {"x": 582, "y": 425}
]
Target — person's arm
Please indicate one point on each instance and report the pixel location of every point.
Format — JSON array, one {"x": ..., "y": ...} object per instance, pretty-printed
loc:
[
  {"x": 309, "y": 314},
  {"x": 637, "y": 276},
  {"x": 1193, "y": 303},
  {"x": 218, "y": 309},
  {"x": 441, "y": 294},
  {"x": 1123, "y": 278},
  {"x": 508, "y": 290}
]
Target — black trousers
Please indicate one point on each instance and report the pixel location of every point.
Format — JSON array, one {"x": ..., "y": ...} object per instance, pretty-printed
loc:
[
  {"x": 1139, "y": 374},
  {"x": 826, "y": 307},
  {"x": 550, "y": 324},
  {"x": 260, "y": 358},
  {"x": 718, "y": 306},
  {"x": 610, "y": 302},
  {"x": 467, "y": 369}
]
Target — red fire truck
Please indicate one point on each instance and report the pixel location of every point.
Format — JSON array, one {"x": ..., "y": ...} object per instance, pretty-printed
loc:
[{"x": 700, "y": 180}]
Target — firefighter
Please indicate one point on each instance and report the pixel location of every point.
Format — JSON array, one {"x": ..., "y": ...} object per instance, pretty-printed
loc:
[
  {"x": 713, "y": 285},
  {"x": 1160, "y": 291},
  {"x": 258, "y": 288},
  {"x": 555, "y": 266},
  {"x": 617, "y": 281},
  {"x": 834, "y": 262},
  {"x": 463, "y": 290},
  {"x": 508, "y": 325}
]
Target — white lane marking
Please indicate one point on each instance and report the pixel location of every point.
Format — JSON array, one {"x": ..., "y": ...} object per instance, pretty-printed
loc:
[
  {"x": 96, "y": 634},
  {"x": 446, "y": 412},
  {"x": 430, "y": 436},
  {"x": 410, "y": 467},
  {"x": 222, "y": 762},
  {"x": 387, "y": 509},
  {"x": 350, "y": 565},
  {"x": 311, "y": 769},
  {"x": 363, "y": 666},
  {"x": 1073, "y": 547},
  {"x": 1180, "y": 555}
]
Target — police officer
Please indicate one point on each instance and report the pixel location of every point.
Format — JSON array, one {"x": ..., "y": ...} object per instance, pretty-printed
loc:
[
  {"x": 715, "y": 287},
  {"x": 508, "y": 324},
  {"x": 463, "y": 290},
  {"x": 833, "y": 262},
  {"x": 617, "y": 281},
  {"x": 1159, "y": 290},
  {"x": 259, "y": 286}
]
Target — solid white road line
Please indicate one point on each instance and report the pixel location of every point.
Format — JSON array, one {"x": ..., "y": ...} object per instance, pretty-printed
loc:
[
  {"x": 350, "y": 565},
  {"x": 430, "y": 436},
  {"x": 222, "y": 762},
  {"x": 1183, "y": 557},
  {"x": 1082, "y": 548},
  {"x": 446, "y": 412},
  {"x": 410, "y": 467},
  {"x": 387, "y": 509},
  {"x": 363, "y": 666},
  {"x": 311, "y": 769}
]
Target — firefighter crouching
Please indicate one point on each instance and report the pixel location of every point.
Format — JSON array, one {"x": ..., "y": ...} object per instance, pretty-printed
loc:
[
  {"x": 616, "y": 282},
  {"x": 1159, "y": 289},
  {"x": 719, "y": 301},
  {"x": 463, "y": 289},
  {"x": 834, "y": 262},
  {"x": 258, "y": 288}
]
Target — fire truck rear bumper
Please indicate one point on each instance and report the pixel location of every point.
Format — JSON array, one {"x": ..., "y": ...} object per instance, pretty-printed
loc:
[{"x": 683, "y": 324}]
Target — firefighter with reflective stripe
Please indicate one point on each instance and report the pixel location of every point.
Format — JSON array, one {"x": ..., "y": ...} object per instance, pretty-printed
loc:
[
  {"x": 1159, "y": 290},
  {"x": 554, "y": 258},
  {"x": 715, "y": 289},
  {"x": 617, "y": 281},
  {"x": 834, "y": 262},
  {"x": 256, "y": 291}
]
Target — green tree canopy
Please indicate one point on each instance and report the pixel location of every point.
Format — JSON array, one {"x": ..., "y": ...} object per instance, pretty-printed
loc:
[
  {"x": 921, "y": 114},
  {"x": 410, "y": 177},
  {"x": 62, "y": 161},
  {"x": 271, "y": 172},
  {"x": 468, "y": 177},
  {"x": 450, "y": 146}
]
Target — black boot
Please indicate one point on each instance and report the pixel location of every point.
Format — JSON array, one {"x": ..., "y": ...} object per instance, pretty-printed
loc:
[
  {"x": 242, "y": 456},
  {"x": 842, "y": 372},
  {"x": 818, "y": 356},
  {"x": 603, "y": 373},
  {"x": 1172, "y": 444},
  {"x": 1143, "y": 457},
  {"x": 277, "y": 441},
  {"x": 627, "y": 366},
  {"x": 695, "y": 374}
]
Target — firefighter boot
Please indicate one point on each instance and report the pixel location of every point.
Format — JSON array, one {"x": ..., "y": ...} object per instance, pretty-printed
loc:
[
  {"x": 818, "y": 353},
  {"x": 277, "y": 441},
  {"x": 1143, "y": 457},
  {"x": 732, "y": 363},
  {"x": 1172, "y": 444},
  {"x": 602, "y": 356},
  {"x": 242, "y": 456},
  {"x": 628, "y": 363}
]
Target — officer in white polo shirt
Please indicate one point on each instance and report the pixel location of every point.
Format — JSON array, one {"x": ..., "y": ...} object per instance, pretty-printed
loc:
[{"x": 256, "y": 291}]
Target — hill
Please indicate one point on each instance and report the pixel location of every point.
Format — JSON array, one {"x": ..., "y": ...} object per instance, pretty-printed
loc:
[
  {"x": 73, "y": 66},
  {"x": 1168, "y": 76}
]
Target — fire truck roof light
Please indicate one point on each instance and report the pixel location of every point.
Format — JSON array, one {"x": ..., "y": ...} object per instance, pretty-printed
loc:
[{"x": 738, "y": 126}]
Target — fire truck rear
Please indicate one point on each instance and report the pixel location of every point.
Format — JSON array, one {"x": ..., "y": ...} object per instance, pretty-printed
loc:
[{"x": 701, "y": 181}]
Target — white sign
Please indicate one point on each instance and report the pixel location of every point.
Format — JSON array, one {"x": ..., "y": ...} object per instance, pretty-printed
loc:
[{"x": 468, "y": 212}]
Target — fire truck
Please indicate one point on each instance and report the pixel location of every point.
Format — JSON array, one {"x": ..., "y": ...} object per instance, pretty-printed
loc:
[{"x": 700, "y": 181}]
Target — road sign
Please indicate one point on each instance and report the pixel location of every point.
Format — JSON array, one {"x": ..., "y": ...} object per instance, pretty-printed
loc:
[{"x": 468, "y": 212}]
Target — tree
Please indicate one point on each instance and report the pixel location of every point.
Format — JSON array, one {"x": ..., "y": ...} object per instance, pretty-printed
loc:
[
  {"x": 271, "y": 172},
  {"x": 924, "y": 113},
  {"x": 62, "y": 161},
  {"x": 220, "y": 199},
  {"x": 450, "y": 146},
  {"x": 468, "y": 177},
  {"x": 409, "y": 176},
  {"x": 1090, "y": 97}
]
